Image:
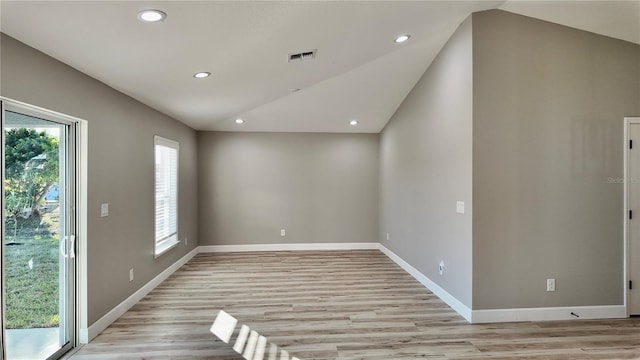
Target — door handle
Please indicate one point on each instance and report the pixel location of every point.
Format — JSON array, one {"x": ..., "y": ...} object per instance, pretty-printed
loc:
[
  {"x": 62, "y": 243},
  {"x": 72, "y": 246}
]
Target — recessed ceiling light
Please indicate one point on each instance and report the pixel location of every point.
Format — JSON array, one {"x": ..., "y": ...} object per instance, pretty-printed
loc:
[
  {"x": 201, "y": 75},
  {"x": 353, "y": 122},
  {"x": 402, "y": 38},
  {"x": 239, "y": 121},
  {"x": 151, "y": 15}
]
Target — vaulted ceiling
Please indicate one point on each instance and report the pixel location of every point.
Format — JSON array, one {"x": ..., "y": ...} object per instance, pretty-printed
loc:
[{"x": 359, "y": 72}]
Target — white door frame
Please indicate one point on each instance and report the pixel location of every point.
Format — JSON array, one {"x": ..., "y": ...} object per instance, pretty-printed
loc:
[
  {"x": 628, "y": 121},
  {"x": 81, "y": 166}
]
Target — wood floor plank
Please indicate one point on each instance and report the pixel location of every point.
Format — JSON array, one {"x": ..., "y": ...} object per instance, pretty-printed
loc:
[{"x": 334, "y": 305}]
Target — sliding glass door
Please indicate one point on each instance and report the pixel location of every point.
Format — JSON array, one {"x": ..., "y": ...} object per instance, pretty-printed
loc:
[{"x": 38, "y": 234}]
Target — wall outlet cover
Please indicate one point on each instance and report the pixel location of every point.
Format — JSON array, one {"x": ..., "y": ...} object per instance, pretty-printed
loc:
[{"x": 551, "y": 284}]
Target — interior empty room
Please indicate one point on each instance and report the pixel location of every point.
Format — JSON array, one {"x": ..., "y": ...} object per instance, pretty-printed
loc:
[{"x": 287, "y": 180}]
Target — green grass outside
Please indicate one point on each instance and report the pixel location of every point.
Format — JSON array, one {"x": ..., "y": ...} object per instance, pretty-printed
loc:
[{"x": 31, "y": 275}]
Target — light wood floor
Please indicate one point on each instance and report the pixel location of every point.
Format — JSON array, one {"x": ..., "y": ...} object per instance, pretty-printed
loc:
[{"x": 335, "y": 305}]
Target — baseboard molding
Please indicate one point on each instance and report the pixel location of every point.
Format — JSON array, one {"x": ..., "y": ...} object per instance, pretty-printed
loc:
[
  {"x": 473, "y": 316},
  {"x": 87, "y": 334},
  {"x": 509, "y": 315},
  {"x": 287, "y": 247},
  {"x": 449, "y": 299},
  {"x": 548, "y": 314}
]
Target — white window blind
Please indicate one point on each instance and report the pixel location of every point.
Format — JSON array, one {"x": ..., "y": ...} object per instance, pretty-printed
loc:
[{"x": 166, "y": 190}]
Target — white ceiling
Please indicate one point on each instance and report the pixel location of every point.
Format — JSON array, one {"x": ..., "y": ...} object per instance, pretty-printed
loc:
[{"x": 359, "y": 72}]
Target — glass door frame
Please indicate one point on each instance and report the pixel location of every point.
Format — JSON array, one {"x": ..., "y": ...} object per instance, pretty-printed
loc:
[
  {"x": 3, "y": 352},
  {"x": 68, "y": 327}
]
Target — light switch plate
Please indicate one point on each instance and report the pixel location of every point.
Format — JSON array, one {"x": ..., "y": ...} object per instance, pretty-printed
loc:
[
  {"x": 460, "y": 207},
  {"x": 104, "y": 210}
]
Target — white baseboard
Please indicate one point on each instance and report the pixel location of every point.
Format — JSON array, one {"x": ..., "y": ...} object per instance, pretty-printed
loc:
[
  {"x": 548, "y": 314},
  {"x": 473, "y": 316},
  {"x": 509, "y": 315},
  {"x": 288, "y": 247},
  {"x": 449, "y": 299},
  {"x": 87, "y": 334}
]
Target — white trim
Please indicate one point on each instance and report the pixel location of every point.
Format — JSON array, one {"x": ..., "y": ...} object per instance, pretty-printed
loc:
[
  {"x": 472, "y": 316},
  {"x": 288, "y": 247},
  {"x": 449, "y": 299},
  {"x": 39, "y": 112},
  {"x": 166, "y": 245},
  {"x": 509, "y": 315},
  {"x": 547, "y": 314},
  {"x": 82, "y": 288},
  {"x": 87, "y": 334},
  {"x": 159, "y": 140},
  {"x": 625, "y": 245}
]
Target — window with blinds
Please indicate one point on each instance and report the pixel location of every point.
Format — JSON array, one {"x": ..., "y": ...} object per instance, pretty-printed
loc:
[{"x": 166, "y": 190}]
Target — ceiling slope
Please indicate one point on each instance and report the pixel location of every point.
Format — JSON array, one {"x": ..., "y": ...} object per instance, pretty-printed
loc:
[
  {"x": 616, "y": 19},
  {"x": 359, "y": 73}
]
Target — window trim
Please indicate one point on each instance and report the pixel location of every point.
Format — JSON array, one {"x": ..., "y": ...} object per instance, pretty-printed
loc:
[{"x": 162, "y": 247}]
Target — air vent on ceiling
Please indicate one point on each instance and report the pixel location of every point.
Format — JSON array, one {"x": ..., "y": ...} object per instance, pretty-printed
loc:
[{"x": 303, "y": 55}]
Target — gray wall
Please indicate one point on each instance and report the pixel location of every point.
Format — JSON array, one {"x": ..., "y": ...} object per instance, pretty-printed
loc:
[
  {"x": 121, "y": 170},
  {"x": 319, "y": 187},
  {"x": 548, "y": 111},
  {"x": 524, "y": 113},
  {"x": 426, "y": 166}
]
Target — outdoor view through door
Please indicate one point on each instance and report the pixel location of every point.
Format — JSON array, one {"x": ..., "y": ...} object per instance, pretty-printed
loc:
[{"x": 39, "y": 225}]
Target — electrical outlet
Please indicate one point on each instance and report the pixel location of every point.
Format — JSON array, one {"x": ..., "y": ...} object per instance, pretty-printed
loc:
[
  {"x": 460, "y": 207},
  {"x": 186, "y": 241},
  {"x": 441, "y": 267},
  {"x": 551, "y": 284},
  {"x": 283, "y": 232},
  {"x": 387, "y": 236},
  {"x": 130, "y": 274}
]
